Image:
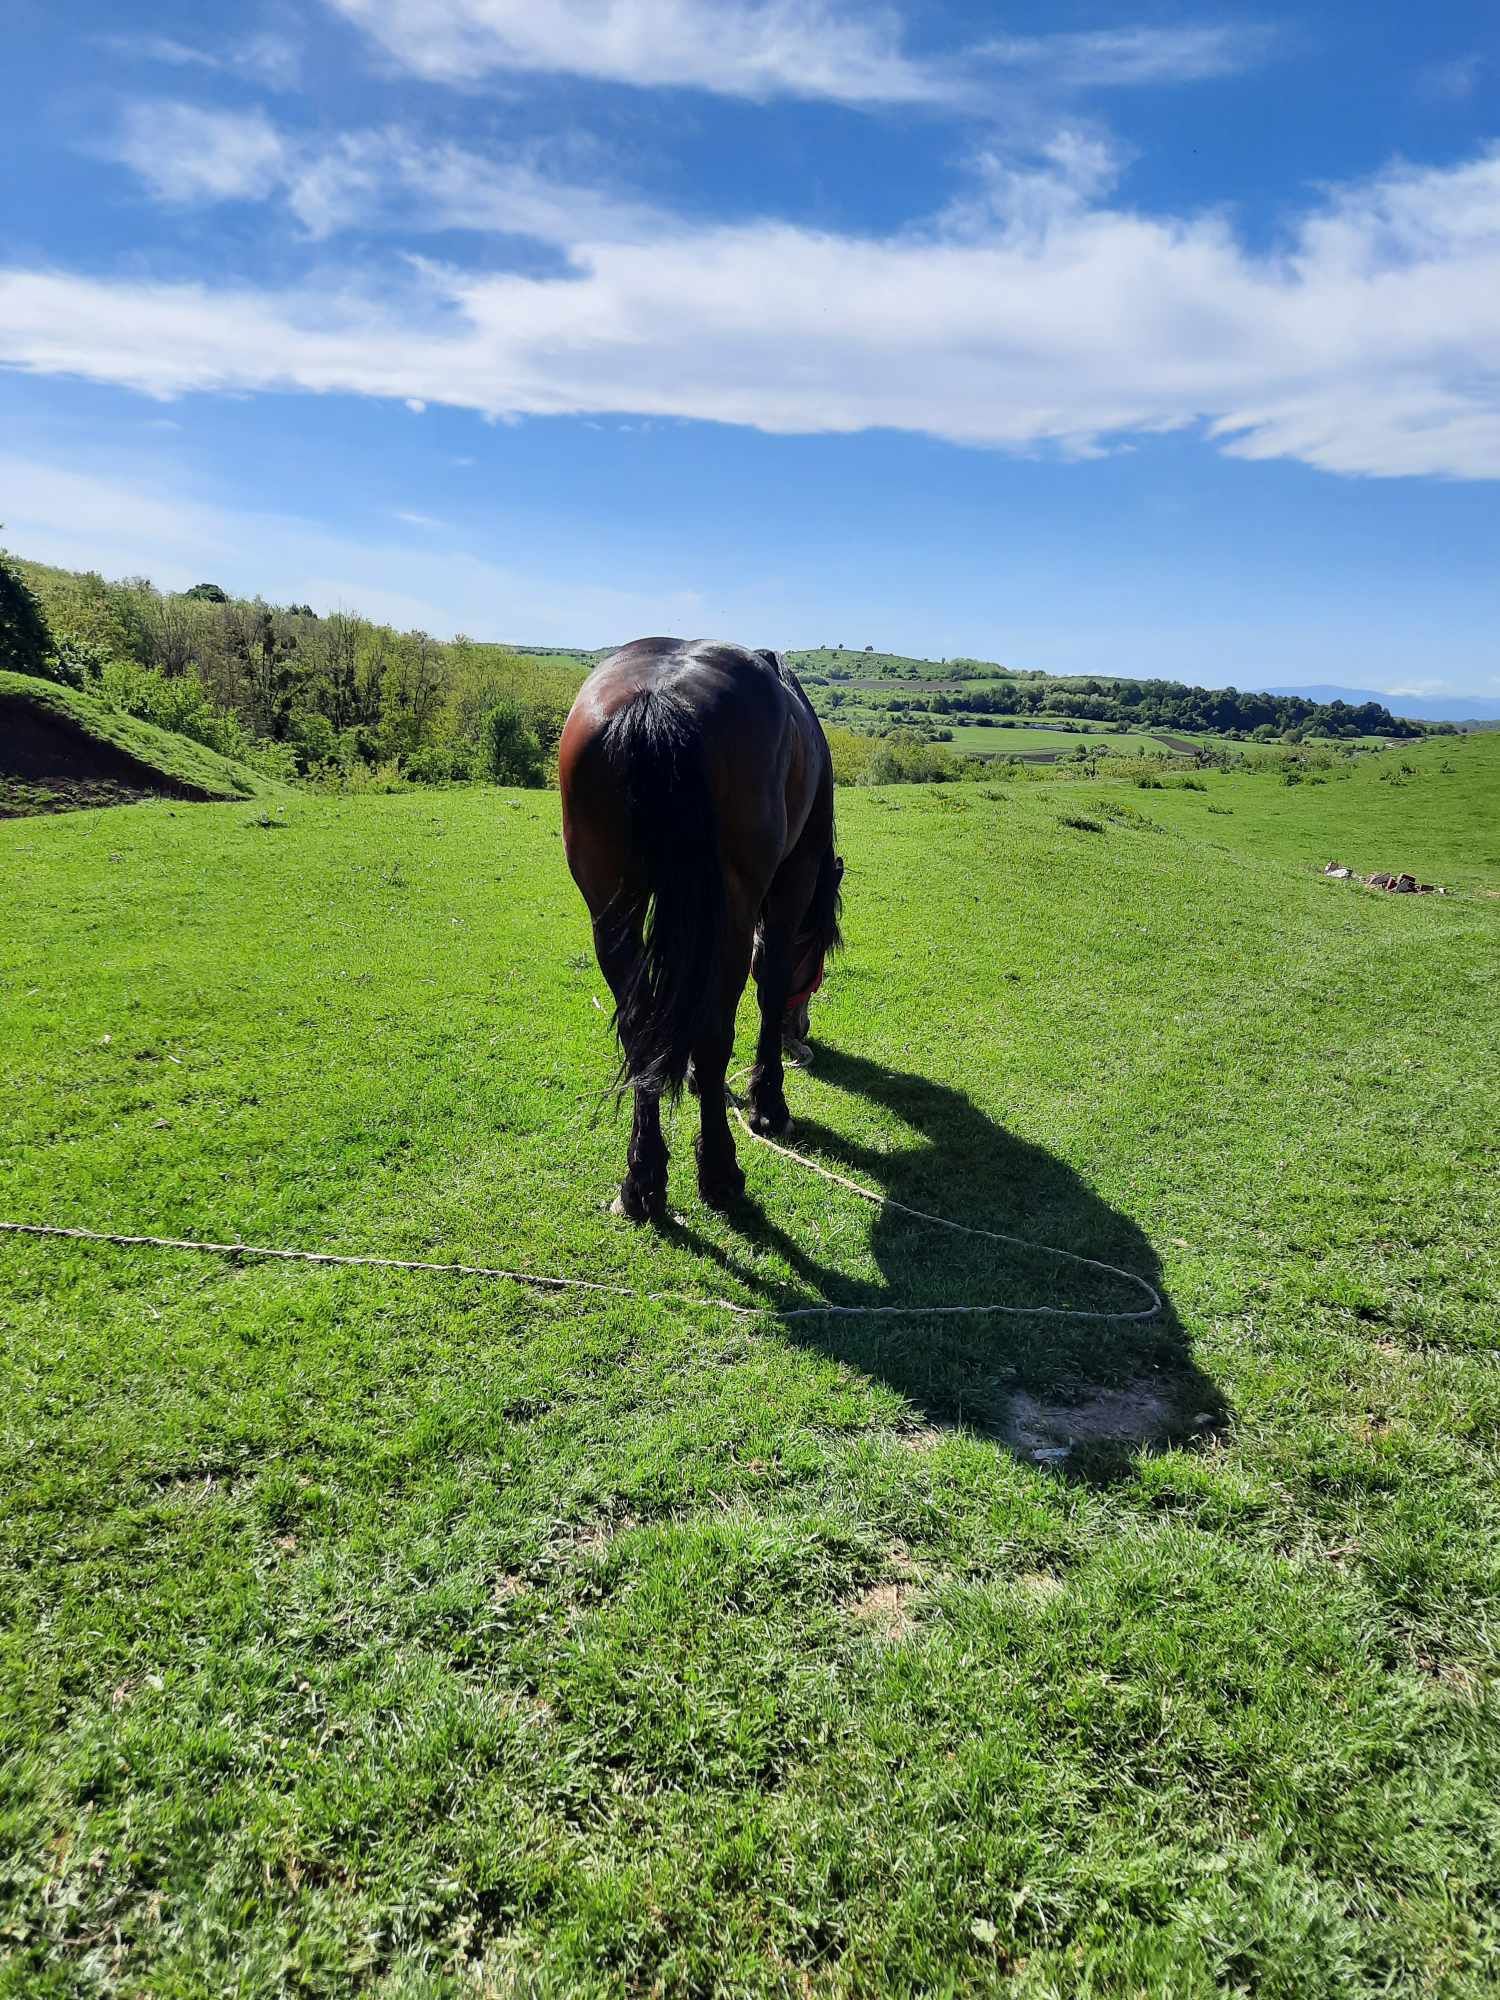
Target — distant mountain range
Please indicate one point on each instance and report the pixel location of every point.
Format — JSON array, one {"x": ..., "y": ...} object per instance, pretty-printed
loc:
[{"x": 1419, "y": 707}]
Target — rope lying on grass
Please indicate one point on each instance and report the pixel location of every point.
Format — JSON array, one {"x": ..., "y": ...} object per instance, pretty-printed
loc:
[{"x": 540, "y": 1282}]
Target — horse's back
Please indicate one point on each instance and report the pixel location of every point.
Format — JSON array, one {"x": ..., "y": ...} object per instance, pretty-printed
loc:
[
  {"x": 747, "y": 709},
  {"x": 710, "y": 674}
]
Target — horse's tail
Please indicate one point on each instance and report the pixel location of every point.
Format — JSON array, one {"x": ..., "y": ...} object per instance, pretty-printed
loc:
[{"x": 670, "y": 932}]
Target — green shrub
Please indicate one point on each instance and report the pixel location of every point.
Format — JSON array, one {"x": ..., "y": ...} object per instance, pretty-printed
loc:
[
  {"x": 851, "y": 754},
  {"x": 905, "y": 762},
  {"x": 443, "y": 764},
  {"x": 79, "y": 662},
  {"x": 25, "y": 642},
  {"x": 513, "y": 754}
]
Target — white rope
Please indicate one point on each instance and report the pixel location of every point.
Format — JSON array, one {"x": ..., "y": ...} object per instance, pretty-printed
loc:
[
  {"x": 378, "y": 1263},
  {"x": 540, "y": 1282},
  {"x": 962, "y": 1229}
]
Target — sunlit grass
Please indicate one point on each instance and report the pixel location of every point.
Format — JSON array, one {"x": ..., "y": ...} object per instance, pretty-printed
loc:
[{"x": 376, "y": 1632}]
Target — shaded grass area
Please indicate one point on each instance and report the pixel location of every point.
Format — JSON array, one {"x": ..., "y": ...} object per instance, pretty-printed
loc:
[
  {"x": 157, "y": 754},
  {"x": 372, "y": 1632}
]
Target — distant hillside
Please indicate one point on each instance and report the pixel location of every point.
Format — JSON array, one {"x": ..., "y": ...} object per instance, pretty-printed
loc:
[
  {"x": 343, "y": 700},
  {"x": 1419, "y": 707},
  {"x": 876, "y": 692}
]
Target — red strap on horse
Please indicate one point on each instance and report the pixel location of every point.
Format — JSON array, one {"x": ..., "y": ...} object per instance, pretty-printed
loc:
[{"x": 799, "y": 999}]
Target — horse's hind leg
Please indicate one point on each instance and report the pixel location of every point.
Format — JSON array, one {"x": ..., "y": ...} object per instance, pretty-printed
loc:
[
  {"x": 721, "y": 1181},
  {"x": 643, "y": 1192},
  {"x": 773, "y": 978},
  {"x": 782, "y": 916}
]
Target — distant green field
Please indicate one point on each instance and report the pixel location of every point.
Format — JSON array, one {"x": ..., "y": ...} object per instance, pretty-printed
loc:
[
  {"x": 577, "y": 664},
  {"x": 370, "y": 1632},
  {"x": 1028, "y": 740},
  {"x": 819, "y": 660}
]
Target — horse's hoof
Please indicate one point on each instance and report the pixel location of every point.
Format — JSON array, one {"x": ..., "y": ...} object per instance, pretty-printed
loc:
[
  {"x": 725, "y": 1192},
  {"x": 772, "y": 1124},
  {"x": 636, "y": 1207}
]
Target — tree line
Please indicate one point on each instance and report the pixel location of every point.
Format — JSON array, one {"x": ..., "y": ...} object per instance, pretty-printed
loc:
[
  {"x": 284, "y": 689},
  {"x": 341, "y": 698},
  {"x": 1166, "y": 705}
]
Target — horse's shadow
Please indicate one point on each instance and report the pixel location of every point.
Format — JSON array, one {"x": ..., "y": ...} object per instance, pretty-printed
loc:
[{"x": 1084, "y": 1394}]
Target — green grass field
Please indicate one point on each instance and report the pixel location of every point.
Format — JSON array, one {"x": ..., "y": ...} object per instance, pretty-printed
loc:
[
  {"x": 371, "y": 1632},
  {"x": 1031, "y": 740}
]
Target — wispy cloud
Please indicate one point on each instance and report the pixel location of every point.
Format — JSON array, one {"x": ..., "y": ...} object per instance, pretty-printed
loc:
[
  {"x": 269, "y": 59},
  {"x": 1367, "y": 342},
  {"x": 383, "y": 179},
  {"x": 779, "y": 48},
  {"x": 1119, "y": 58},
  {"x": 187, "y": 155},
  {"x": 735, "y": 48},
  {"x": 1452, "y": 82}
]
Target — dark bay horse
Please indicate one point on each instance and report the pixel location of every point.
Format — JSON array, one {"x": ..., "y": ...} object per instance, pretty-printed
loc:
[{"x": 697, "y": 798}]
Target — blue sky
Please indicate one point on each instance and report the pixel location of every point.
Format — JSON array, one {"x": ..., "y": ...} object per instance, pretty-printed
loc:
[{"x": 1148, "y": 340}]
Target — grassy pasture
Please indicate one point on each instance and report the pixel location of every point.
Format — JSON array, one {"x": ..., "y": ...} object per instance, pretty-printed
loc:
[
  {"x": 1026, "y": 741},
  {"x": 371, "y": 1632}
]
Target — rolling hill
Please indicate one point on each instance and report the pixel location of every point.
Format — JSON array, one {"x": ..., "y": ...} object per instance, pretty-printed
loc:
[{"x": 60, "y": 748}]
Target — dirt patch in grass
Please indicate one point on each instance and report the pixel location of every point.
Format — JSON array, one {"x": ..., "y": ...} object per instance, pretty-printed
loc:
[
  {"x": 1040, "y": 1586},
  {"x": 20, "y": 799},
  {"x": 884, "y": 1609},
  {"x": 1139, "y": 1414},
  {"x": 924, "y": 1437},
  {"x": 585, "y": 1540}
]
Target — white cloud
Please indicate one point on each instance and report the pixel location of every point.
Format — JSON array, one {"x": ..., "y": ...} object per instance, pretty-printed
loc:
[
  {"x": 1114, "y": 58},
  {"x": 189, "y": 155},
  {"x": 383, "y": 178},
  {"x": 1453, "y": 81},
  {"x": 777, "y": 48},
  {"x": 127, "y": 526},
  {"x": 389, "y": 179},
  {"x": 738, "y": 48},
  {"x": 1369, "y": 342},
  {"x": 273, "y": 60}
]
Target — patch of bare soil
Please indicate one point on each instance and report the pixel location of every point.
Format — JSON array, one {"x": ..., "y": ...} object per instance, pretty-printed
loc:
[
  {"x": 883, "y": 1609},
  {"x": 1138, "y": 1415},
  {"x": 924, "y": 1437},
  {"x": 19, "y": 800},
  {"x": 1040, "y": 1586}
]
